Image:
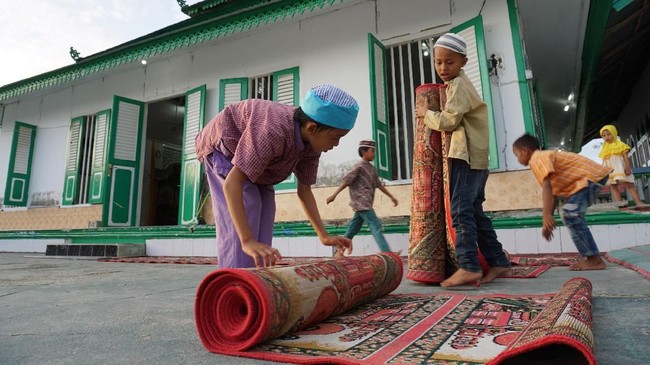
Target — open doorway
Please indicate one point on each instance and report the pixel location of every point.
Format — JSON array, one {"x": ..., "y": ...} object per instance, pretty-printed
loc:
[{"x": 162, "y": 164}]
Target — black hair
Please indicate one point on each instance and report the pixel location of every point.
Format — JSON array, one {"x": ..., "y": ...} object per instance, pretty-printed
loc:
[
  {"x": 300, "y": 116},
  {"x": 526, "y": 142},
  {"x": 363, "y": 150}
]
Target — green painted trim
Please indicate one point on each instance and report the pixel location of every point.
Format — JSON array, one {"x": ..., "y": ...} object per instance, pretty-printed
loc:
[
  {"x": 486, "y": 85},
  {"x": 185, "y": 34},
  {"x": 594, "y": 34},
  {"x": 281, "y": 229},
  {"x": 621, "y": 4},
  {"x": 526, "y": 103}
]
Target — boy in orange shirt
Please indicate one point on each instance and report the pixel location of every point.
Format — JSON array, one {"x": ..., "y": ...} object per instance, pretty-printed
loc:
[{"x": 576, "y": 178}]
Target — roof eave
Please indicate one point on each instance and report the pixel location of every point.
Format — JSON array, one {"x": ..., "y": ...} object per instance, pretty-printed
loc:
[{"x": 184, "y": 34}]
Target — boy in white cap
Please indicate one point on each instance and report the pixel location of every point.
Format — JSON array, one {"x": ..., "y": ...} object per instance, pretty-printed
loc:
[
  {"x": 363, "y": 180},
  {"x": 465, "y": 115},
  {"x": 251, "y": 146}
]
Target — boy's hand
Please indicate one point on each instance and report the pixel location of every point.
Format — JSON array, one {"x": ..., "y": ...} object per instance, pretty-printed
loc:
[
  {"x": 548, "y": 235},
  {"x": 548, "y": 226},
  {"x": 331, "y": 198},
  {"x": 628, "y": 171},
  {"x": 421, "y": 109},
  {"x": 264, "y": 255},
  {"x": 342, "y": 244},
  {"x": 395, "y": 202}
]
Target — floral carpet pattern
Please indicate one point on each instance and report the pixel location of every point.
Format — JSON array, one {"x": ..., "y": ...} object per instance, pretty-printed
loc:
[
  {"x": 447, "y": 328},
  {"x": 552, "y": 259}
]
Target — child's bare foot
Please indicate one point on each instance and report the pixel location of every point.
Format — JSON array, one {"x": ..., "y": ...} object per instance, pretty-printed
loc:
[
  {"x": 494, "y": 273},
  {"x": 339, "y": 254},
  {"x": 462, "y": 277},
  {"x": 590, "y": 263},
  {"x": 642, "y": 207}
]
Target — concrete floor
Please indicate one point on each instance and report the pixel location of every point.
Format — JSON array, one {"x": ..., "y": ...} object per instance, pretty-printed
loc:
[{"x": 66, "y": 311}]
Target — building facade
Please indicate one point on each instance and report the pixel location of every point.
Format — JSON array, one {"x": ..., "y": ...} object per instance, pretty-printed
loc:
[{"x": 109, "y": 140}]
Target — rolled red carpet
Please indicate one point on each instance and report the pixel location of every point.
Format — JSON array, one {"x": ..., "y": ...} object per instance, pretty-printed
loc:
[{"x": 236, "y": 309}]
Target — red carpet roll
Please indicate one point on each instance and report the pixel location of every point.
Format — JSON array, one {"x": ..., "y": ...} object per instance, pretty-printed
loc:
[
  {"x": 430, "y": 239},
  {"x": 236, "y": 309},
  {"x": 431, "y": 250}
]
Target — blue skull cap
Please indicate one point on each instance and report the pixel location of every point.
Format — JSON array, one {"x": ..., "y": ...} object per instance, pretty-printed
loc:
[{"x": 330, "y": 106}]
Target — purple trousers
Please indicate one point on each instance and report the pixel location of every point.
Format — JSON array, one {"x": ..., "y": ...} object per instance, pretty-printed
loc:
[{"x": 259, "y": 203}]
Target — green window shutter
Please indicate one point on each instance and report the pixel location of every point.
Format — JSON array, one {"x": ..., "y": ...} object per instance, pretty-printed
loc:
[
  {"x": 476, "y": 70},
  {"x": 538, "y": 114},
  {"x": 381, "y": 128},
  {"x": 286, "y": 84},
  {"x": 98, "y": 165},
  {"x": 232, "y": 91},
  {"x": 20, "y": 165},
  {"x": 191, "y": 168},
  {"x": 73, "y": 159},
  {"x": 123, "y": 162}
]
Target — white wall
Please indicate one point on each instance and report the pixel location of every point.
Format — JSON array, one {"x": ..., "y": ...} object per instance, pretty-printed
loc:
[{"x": 328, "y": 48}]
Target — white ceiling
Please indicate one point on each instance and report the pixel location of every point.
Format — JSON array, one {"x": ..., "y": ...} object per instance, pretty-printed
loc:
[{"x": 553, "y": 32}]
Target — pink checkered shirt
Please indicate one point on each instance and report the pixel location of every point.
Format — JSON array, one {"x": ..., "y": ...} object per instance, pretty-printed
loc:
[
  {"x": 362, "y": 182},
  {"x": 262, "y": 139}
]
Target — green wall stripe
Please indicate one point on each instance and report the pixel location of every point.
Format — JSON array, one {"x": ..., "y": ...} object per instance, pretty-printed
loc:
[{"x": 284, "y": 229}]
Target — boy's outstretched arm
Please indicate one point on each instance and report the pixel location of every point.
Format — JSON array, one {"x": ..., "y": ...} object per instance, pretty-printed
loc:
[
  {"x": 548, "y": 201},
  {"x": 310, "y": 207},
  {"x": 334, "y": 194},
  {"x": 447, "y": 120},
  {"x": 385, "y": 191}
]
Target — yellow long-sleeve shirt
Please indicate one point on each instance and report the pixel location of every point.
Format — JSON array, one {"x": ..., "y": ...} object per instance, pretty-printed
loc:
[{"x": 466, "y": 115}]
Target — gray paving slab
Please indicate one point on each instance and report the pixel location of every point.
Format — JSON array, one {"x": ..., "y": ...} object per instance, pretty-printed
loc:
[{"x": 66, "y": 311}]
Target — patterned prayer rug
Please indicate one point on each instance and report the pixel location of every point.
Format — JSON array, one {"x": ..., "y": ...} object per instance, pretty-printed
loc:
[
  {"x": 446, "y": 328},
  {"x": 635, "y": 258},
  {"x": 239, "y": 308},
  {"x": 514, "y": 272},
  {"x": 193, "y": 260},
  {"x": 525, "y": 271},
  {"x": 198, "y": 260},
  {"x": 431, "y": 250},
  {"x": 555, "y": 259}
]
